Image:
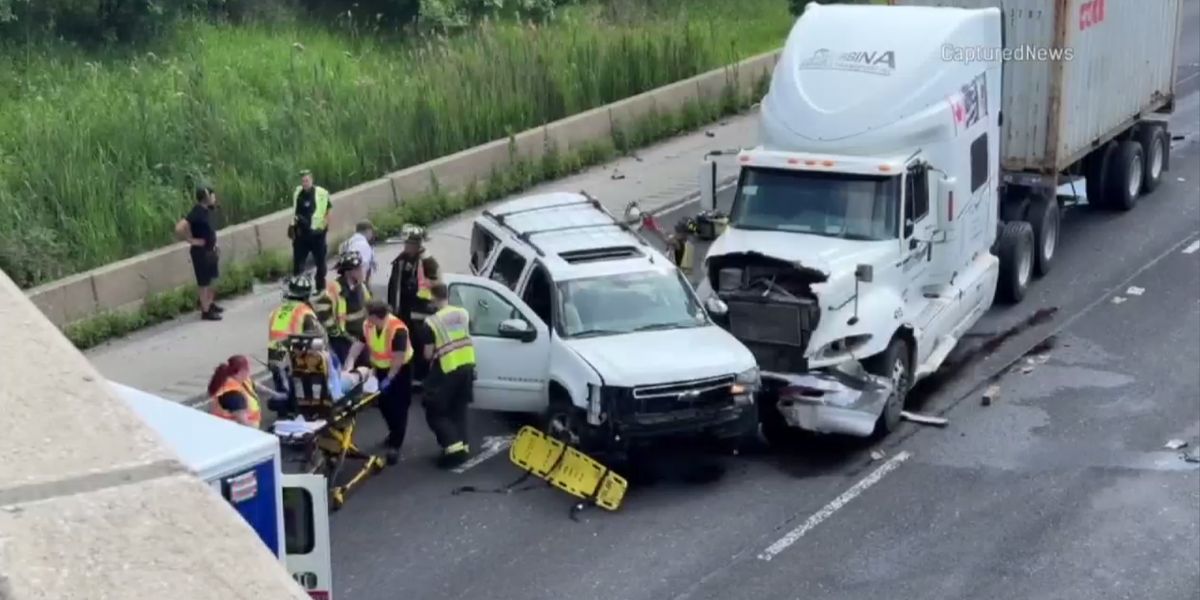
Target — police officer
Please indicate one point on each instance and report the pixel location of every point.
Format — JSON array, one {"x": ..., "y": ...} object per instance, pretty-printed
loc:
[
  {"x": 449, "y": 387},
  {"x": 390, "y": 348},
  {"x": 409, "y": 291},
  {"x": 343, "y": 305},
  {"x": 310, "y": 223},
  {"x": 293, "y": 317}
]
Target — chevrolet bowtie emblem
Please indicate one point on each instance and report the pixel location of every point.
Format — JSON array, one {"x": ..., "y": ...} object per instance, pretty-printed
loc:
[{"x": 690, "y": 396}]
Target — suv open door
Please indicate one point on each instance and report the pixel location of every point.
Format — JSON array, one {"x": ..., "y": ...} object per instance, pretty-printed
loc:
[{"x": 306, "y": 534}]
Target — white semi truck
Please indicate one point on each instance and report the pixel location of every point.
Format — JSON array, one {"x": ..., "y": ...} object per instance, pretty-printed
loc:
[{"x": 906, "y": 179}]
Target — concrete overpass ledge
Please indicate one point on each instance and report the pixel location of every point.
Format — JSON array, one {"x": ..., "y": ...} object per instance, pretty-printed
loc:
[{"x": 92, "y": 504}]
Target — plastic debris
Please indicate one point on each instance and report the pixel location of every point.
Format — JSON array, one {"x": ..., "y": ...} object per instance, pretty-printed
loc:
[
  {"x": 924, "y": 419},
  {"x": 710, "y": 134},
  {"x": 991, "y": 393},
  {"x": 876, "y": 455},
  {"x": 1118, "y": 299},
  {"x": 1135, "y": 290},
  {"x": 1180, "y": 179},
  {"x": 1192, "y": 458},
  {"x": 617, "y": 175},
  {"x": 1175, "y": 444}
]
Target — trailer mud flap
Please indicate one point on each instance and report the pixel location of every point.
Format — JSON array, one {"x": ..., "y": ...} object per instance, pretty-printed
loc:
[{"x": 567, "y": 469}]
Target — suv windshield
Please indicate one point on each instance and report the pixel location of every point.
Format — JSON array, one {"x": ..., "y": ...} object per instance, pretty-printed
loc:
[
  {"x": 627, "y": 303},
  {"x": 857, "y": 207}
]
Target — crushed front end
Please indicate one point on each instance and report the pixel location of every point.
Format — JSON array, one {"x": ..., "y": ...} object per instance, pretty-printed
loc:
[{"x": 771, "y": 307}]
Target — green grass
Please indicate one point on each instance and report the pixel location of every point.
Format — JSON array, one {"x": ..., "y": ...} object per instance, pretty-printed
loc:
[
  {"x": 98, "y": 155},
  {"x": 428, "y": 209}
]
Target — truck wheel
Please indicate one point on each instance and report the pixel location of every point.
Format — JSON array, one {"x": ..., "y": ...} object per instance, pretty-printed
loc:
[
  {"x": 1153, "y": 141},
  {"x": 564, "y": 421},
  {"x": 1123, "y": 180},
  {"x": 1096, "y": 166},
  {"x": 1016, "y": 261},
  {"x": 775, "y": 430},
  {"x": 1044, "y": 217},
  {"x": 894, "y": 364}
]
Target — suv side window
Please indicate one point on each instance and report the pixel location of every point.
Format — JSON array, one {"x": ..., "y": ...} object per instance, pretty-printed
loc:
[
  {"x": 539, "y": 294},
  {"x": 482, "y": 245},
  {"x": 487, "y": 308},
  {"x": 508, "y": 268}
]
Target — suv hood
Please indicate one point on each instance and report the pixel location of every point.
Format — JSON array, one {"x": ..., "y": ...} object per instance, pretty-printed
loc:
[
  {"x": 655, "y": 357},
  {"x": 831, "y": 256}
]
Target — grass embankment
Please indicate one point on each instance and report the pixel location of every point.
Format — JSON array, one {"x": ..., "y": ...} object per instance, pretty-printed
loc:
[{"x": 98, "y": 155}]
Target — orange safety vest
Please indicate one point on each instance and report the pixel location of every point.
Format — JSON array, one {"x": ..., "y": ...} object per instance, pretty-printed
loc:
[
  {"x": 247, "y": 390},
  {"x": 287, "y": 320},
  {"x": 379, "y": 342}
]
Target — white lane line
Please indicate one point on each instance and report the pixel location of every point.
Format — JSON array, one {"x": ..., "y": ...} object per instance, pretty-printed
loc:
[
  {"x": 492, "y": 445},
  {"x": 827, "y": 511},
  {"x": 1192, "y": 247}
]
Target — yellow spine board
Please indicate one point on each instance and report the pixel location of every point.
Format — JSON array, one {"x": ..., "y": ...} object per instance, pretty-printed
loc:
[{"x": 576, "y": 473}]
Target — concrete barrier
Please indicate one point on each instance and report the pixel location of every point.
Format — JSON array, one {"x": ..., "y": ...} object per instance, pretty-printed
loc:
[{"x": 126, "y": 283}]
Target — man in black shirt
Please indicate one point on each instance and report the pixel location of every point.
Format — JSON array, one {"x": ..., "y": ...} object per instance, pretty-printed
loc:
[
  {"x": 196, "y": 228},
  {"x": 414, "y": 272},
  {"x": 310, "y": 223},
  {"x": 386, "y": 339}
]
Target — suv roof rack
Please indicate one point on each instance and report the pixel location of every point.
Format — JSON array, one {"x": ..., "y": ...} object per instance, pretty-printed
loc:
[
  {"x": 597, "y": 254},
  {"x": 526, "y": 236}
]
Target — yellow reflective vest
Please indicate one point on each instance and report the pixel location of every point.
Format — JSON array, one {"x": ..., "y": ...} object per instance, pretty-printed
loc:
[
  {"x": 320, "y": 211},
  {"x": 452, "y": 344}
]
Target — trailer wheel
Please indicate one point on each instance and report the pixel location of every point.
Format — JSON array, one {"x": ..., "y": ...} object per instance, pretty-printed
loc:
[
  {"x": 1043, "y": 215},
  {"x": 1154, "y": 147},
  {"x": 1123, "y": 180},
  {"x": 894, "y": 364},
  {"x": 1016, "y": 261},
  {"x": 1096, "y": 167}
]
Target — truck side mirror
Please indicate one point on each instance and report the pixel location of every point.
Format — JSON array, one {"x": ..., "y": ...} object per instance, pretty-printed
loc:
[
  {"x": 945, "y": 202},
  {"x": 708, "y": 185},
  {"x": 864, "y": 273}
]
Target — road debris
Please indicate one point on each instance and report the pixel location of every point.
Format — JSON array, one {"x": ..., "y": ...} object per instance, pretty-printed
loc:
[
  {"x": 991, "y": 393},
  {"x": 1180, "y": 179},
  {"x": 924, "y": 419},
  {"x": 1192, "y": 247},
  {"x": 877, "y": 455},
  {"x": 617, "y": 175},
  {"x": 1175, "y": 444},
  {"x": 1135, "y": 290},
  {"x": 1194, "y": 457},
  {"x": 1118, "y": 299},
  {"x": 710, "y": 134}
]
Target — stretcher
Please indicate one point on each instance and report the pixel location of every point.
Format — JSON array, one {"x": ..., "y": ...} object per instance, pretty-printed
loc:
[
  {"x": 326, "y": 446},
  {"x": 567, "y": 469}
]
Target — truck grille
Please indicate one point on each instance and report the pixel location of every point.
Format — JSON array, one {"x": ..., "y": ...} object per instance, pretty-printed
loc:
[
  {"x": 666, "y": 398},
  {"x": 769, "y": 323}
]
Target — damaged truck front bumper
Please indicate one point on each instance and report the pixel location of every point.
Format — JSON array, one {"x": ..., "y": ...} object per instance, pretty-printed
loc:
[{"x": 843, "y": 400}]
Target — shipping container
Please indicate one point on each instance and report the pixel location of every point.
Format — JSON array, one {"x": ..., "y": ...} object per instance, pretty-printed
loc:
[{"x": 1077, "y": 74}]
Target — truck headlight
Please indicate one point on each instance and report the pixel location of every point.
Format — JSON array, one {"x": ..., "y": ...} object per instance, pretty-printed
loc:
[
  {"x": 745, "y": 383},
  {"x": 843, "y": 345}
]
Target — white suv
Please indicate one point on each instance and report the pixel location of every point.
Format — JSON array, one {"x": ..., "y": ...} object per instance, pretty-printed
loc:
[{"x": 577, "y": 317}]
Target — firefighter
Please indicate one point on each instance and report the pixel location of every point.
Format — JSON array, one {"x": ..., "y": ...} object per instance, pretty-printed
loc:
[
  {"x": 294, "y": 316},
  {"x": 312, "y": 208},
  {"x": 342, "y": 306},
  {"x": 387, "y": 340},
  {"x": 451, "y": 354},
  {"x": 410, "y": 293}
]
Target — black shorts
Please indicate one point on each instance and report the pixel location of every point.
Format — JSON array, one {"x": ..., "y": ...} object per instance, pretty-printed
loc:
[{"x": 205, "y": 266}]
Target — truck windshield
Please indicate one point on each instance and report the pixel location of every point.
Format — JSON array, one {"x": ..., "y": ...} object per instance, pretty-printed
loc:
[
  {"x": 856, "y": 207},
  {"x": 627, "y": 303}
]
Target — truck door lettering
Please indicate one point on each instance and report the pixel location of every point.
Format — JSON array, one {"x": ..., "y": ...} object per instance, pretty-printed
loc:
[{"x": 1091, "y": 13}]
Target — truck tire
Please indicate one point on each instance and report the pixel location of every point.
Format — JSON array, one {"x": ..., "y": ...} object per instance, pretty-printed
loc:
[
  {"x": 896, "y": 365},
  {"x": 1095, "y": 167},
  {"x": 1153, "y": 140},
  {"x": 1043, "y": 215},
  {"x": 775, "y": 430},
  {"x": 1123, "y": 177},
  {"x": 1016, "y": 250}
]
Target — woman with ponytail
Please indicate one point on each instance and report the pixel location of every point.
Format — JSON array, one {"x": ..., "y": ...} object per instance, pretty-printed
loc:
[{"x": 234, "y": 394}]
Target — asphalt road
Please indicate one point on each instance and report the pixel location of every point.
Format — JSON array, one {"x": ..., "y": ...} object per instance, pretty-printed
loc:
[{"x": 1060, "y": 489}]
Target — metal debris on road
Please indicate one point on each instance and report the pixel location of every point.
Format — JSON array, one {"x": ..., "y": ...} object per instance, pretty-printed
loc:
[
  {"x": 710, "y": 134},
  {"x": 924, "y": 419},
  {"x": 1135, "y": 290},
  {"x": 991, "y": 393},
  {"x": 1192, "y": 458},
  {"x": 1175, "y": 444},
  {"x": 617, "y": 175},
  {"x": 876, "y": 455},
  {"x": 1117, "y": 299}
]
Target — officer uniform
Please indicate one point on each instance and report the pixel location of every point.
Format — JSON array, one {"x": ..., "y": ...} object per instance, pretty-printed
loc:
[
  {"x": 244, "y": 390},
  {"x": 311, "y": 208},
  {"x": 410, "y": 293},
  {"x": 451, "y": 380},
  {"x": 386, "y": 345}
]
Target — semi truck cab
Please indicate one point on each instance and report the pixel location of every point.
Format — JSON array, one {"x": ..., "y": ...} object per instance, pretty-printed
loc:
[{"x": 864, "y": 236}]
